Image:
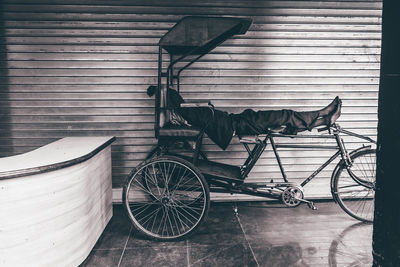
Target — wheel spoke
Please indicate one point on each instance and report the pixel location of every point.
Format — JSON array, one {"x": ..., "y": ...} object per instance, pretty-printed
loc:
[
  {"x": 187, "y": 211},
  {"x": 183, "y": 205},
  {"x": 141, "y": 205},
  {"x": 179, "y": 181},
  {"x": 154, "y": 220},
  {"x": 149, "y": 216},
  {"x": 164, "y": 174},
  {"x": 169, "y": 221},
  {"x": 175, "y": 217},
  {"x": 154, "y": 179},
  {"x": 183, "y": 215},
  {"x": 143, "y": 187},
  {"x": 162, "y": 219}
]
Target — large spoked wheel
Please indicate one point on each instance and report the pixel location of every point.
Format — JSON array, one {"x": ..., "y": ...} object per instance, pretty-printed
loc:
[
  {"x": 166, "y": 198},
  {"x": 354, "y": 188}
]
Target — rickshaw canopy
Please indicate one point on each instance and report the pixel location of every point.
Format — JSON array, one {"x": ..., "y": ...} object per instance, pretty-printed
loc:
[{"x": 196, "y": 35}]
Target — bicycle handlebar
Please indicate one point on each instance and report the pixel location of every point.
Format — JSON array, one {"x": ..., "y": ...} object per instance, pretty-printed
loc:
[{"x": 339, "y": 129}]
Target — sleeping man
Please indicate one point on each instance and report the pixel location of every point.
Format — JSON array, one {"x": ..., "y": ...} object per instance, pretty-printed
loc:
[{"x": 221, "y": 126}]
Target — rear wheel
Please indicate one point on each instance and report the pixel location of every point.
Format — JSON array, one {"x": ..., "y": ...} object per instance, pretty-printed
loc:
[
  {"x": 354, "y": 187},
  {"x": 166, "y": 198}
]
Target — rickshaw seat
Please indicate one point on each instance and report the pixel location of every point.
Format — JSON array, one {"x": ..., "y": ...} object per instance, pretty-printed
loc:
[
  {"x": 171, "y": 130},
  {"x": 170, "y": 123},
  {"x": 176, "y": 126}
]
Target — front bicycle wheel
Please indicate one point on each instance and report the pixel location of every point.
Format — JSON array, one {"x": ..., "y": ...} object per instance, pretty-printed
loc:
[
  {"x": 166, "y": 198},
  {"x": 354, "y": 187}
]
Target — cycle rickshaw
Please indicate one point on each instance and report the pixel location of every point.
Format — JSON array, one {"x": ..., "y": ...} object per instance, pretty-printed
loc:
[{"x": 167, "y": 197}]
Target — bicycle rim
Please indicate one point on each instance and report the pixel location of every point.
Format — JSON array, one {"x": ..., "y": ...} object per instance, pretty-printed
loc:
[{"x": 355, "y": 187}]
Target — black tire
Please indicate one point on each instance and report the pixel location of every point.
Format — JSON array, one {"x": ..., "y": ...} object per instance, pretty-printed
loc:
[
  {"x": 169, "y": 203},
  {"x": 354, "y": 188}
]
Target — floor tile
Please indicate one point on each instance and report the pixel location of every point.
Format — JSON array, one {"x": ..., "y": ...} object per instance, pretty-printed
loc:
[
  {"x": 285, "y": 255},
  {"x": 116, "y": 233},
  {"x": 221, "y": 228},
  {"x": 139, "y": 242},
  {"x": 227, "y": 255},
  {"x": 155, "y": 256},
  {"x": 103, "y": 258}
]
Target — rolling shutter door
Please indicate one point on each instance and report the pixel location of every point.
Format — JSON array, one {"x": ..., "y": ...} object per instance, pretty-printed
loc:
[{"x": 73, "y": 68}]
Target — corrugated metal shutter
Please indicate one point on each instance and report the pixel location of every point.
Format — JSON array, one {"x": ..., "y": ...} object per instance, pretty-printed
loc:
[{"x": 71, "y": 68}]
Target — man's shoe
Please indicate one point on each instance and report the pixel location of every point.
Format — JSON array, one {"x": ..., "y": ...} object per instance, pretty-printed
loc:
[
  {"x": 330, "y": 108},
  {"x": 335, "y": 114}
]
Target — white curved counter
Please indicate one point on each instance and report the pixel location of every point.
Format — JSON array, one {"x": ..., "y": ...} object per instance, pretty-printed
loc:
[{"x": 55, "y": 202}]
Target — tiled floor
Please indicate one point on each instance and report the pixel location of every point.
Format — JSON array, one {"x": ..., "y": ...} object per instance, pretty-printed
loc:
[{"x": 263, "y": 234}]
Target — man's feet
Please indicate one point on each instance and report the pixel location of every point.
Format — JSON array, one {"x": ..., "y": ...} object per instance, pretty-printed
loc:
[
  {"x": 335, "y": 114},
  {"x": 330, "y": 108},
  {"x": 329, "y": 114}
]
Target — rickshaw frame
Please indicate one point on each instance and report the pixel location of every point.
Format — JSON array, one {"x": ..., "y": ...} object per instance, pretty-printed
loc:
[{"x": 162, "y": 188}]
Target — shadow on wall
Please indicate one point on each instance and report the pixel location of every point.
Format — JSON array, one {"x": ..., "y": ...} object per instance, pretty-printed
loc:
[{"x": 6, "y": 148}]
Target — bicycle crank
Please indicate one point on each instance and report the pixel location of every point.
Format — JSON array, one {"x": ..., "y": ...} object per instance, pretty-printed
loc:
[
  {"x": 310, "y": 204},
  {"x": 292, "y": 196}
]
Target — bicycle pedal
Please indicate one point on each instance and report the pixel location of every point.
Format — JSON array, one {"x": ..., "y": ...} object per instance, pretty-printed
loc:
[
  {"x": 312, "y": 206},
  {"x": 235, "y": 210}
]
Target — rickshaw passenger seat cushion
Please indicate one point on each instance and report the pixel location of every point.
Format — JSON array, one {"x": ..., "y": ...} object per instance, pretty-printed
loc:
[{"x": 171, "y": 130}]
